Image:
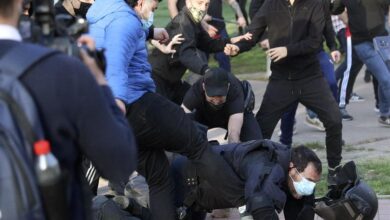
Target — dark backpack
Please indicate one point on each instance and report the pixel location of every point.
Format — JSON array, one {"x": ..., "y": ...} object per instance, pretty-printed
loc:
[
  {"x": 19, "y": 128},
  {"x": 249, "y": 96}
]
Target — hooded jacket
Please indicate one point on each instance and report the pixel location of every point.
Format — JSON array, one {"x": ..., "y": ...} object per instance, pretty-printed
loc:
[
  {"x": 118, "y": 29},
  {"x": 299, "y": 27}
]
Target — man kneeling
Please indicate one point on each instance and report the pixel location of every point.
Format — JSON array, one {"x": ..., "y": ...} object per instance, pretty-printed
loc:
[{"x": 273, "y": 177}]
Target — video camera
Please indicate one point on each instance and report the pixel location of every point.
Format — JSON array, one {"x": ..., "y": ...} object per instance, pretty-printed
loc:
[{"x": 59, "y": 32}]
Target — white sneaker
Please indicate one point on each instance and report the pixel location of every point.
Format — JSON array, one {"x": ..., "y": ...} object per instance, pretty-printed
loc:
[
  {"x": 356, "y": 98},
  {"x": 314, "y": 123}
]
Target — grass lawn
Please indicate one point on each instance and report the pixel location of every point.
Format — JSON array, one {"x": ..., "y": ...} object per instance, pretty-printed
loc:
[
  {"x": 249, "y": 62},
  {"x": 375, "y": 172}
]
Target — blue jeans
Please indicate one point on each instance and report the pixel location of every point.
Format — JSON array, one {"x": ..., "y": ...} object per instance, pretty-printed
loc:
[
  {"x": 222, "y": 59},
  {"x": 366, "y": 52},
  {"x": 288, "y": 118}
]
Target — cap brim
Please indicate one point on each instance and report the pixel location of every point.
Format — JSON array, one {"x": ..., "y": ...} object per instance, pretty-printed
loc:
[{"x": 222, "y": 91}]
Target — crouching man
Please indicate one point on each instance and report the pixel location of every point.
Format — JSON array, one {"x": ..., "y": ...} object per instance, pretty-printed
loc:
[
  {"x": 219, "y": 99},
  {"x": 273, "y": 178}
]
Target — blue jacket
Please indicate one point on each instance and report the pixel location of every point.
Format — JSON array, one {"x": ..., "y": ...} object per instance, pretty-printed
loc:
[{"x": 117, "y": 28}]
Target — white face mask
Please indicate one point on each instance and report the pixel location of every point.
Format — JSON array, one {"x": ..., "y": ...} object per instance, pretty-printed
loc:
[
  {"x": 304, "y": 187},
  {"x": 146, "y": 24}
]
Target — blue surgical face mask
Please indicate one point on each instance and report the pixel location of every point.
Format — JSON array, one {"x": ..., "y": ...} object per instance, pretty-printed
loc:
[
  {"x": 146, "y": 24},
  {"x": 304, "y": 187}
]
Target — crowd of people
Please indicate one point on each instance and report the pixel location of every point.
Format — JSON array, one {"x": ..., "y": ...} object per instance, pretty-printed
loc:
[{"x": 124, "y": 118}]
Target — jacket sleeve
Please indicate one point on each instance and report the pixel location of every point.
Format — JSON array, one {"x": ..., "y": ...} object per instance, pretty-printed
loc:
[
  {"x": 329, "y": 34},
  {"x": 188, "y": 53},
  {"x": 315, "y": 31},
  {"x": 337, "y": 7},
  {"x": 263, "y": 180},
  {"x": 104, "y": 135},
  {"x": 121, "y": 40},
  {"x": 257, "y": 27},
  {"x": 208, "y": 44}
]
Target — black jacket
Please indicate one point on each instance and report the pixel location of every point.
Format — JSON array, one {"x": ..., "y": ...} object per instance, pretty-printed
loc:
[
  {"x": 189, "y": 55},
  {"x": 298, "y": 27},
  {"x": 329, "y": 34},
  {"x": 366, "y": 18},
  {"x": 255, "y": 167},
  {"x": 79, "y": 118}
]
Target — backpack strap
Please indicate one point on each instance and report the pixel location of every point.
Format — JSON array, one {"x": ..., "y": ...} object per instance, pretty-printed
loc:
[
  {"x": 22, "y": 57},
  {"x": 12, "y": 66}
]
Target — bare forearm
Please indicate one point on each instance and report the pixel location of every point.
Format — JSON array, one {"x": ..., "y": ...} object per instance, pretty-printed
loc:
[
  {"x": 172, "y": 8},
  {"x": 234, "y": 127},
  {"x": 236, "y": 8}
]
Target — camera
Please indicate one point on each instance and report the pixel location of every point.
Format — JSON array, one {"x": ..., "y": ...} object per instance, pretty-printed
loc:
[{"x": 59, "y": 32}]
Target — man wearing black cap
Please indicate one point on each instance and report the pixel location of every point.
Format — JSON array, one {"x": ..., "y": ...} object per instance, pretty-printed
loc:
[{"x": 218, "y": 101}]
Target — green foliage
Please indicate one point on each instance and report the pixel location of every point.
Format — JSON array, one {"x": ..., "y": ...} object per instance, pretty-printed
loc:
[{"x": 376, "y": 172}]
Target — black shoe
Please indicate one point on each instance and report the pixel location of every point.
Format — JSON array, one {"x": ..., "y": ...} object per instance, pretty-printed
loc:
[
  {"x": 384, "y": 120},
  {"x": 345, "y": 115}
]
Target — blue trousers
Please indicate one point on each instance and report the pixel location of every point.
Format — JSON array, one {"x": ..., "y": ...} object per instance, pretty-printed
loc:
[{"x": 222, "y": 59}]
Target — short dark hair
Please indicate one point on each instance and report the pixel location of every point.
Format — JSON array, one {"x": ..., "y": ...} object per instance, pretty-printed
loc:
[
  {"x": 6, "y": 9},
  {"x": 133, "y": 3},
  {"x": 301, "y": 156}
]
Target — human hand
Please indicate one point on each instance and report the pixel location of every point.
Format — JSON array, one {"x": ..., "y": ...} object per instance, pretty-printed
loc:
[
  {"x": 121, "y": 105},
  {"x": 247, "y": 36},
  {"x": 212, "y": 31},
  {"x": 336, "y": 56},
  {"x": 161, "y": 35},
  {"x": 231, "y": 49},
  {"x": 277, "y": 53},
  {"x": 89, "y": 43},
  {"x": 177, "y": 39},
  {"x": 264, "y": 44},
  {"x": 241, "y": 22}
]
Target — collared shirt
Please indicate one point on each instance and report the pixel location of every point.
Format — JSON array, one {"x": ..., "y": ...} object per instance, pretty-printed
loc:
[
  {"x": 8, "y": 32},
  {"x": 337, "y": 23}
]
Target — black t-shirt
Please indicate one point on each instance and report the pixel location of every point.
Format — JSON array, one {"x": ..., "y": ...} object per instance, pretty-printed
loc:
[{"x": 195, "y": 100}]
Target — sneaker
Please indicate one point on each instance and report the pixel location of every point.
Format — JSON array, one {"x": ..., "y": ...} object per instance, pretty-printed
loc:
[
  {"x": 356, "y": 98},
  {"x": 314, "y": 123},
  {"x": 345, "y": 115},
  {"x": 384, "y": 120},
  {"x": 376, "y": 108}
]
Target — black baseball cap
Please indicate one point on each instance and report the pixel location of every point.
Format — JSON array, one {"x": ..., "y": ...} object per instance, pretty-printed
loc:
[{"x": 216, "y": 82}]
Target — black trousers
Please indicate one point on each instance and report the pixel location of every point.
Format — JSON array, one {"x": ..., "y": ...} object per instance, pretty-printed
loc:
[
  {"x": 160, "y": 125},
  {"x": 314, "y": 93},
  {"x": 172, "y": 91}
]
